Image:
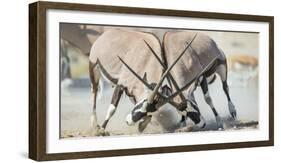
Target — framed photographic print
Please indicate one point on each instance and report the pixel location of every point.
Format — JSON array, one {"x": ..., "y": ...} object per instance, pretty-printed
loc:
[{"x": 111, "y": 81}]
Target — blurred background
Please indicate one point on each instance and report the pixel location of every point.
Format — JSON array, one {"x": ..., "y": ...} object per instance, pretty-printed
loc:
[{"x": 241, "y": 50}]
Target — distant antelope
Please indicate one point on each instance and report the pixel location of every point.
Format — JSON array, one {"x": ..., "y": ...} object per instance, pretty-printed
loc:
[
  {"x": 246, "y": 67},
  {"x": 65, "y": 66},
  {"x": 65, "y": 69},
  {"x": 242, "y": 61},
  {"x": 78, "y": 36}
]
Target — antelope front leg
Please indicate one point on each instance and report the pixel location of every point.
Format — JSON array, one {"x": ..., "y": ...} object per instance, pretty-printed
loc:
[
  {"x": 191, "y": 111},
  {"x": 194, "y": 114},
  {"x": 118, "y": 91}
]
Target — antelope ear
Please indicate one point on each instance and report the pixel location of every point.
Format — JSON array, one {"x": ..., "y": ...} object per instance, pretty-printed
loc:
[{"x": 166, "y": 90}]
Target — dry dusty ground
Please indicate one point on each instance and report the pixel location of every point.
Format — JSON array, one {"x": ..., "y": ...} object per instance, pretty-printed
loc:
[{"x": 76, "y": 111}]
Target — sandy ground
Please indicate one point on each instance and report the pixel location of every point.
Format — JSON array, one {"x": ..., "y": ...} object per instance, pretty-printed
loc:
[{"x": 76, "y": 110}]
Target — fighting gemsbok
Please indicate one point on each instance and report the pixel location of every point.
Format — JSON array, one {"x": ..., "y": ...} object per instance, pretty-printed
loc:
[
  {"x": 135, "y": 63},
  {"x": 104, "y": 63},
  {"x": 198, "y": 62},
  {"x": 203, "y": 51}
]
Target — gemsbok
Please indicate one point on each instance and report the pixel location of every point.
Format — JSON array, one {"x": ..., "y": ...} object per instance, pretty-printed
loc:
[
  {"x": 78, "y": 36},
  {"x": 104, "y": 63},
  {"x": 203, "y": 51}
]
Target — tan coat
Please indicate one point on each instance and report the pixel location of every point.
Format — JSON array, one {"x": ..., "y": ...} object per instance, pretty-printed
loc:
[
  {"x": 201, "y": 52},
  {"x": 130, "y": 46}
]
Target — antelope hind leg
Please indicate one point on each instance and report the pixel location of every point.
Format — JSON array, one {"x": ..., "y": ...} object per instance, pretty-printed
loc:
[
  {"x": 208, "y": 99},
  {"x": 222, "y": 72}
]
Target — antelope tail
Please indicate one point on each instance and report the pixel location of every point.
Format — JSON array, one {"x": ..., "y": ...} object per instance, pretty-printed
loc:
[
  {"x": 100, "y": 88},
  {"x": 211, "y": 79}
]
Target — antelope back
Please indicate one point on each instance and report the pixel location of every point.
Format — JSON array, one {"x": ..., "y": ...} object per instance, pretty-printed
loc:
[
  {"x": 130, "y": 46},
  {"x": 201, "y": 52}
]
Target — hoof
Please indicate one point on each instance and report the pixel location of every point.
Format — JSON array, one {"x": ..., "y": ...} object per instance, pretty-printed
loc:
[
  {"x": 232, "y": 110},
  {"x": 99, "y": 131},
  {"x": 102, "y": 132},
  {"x": 143, "y": 124},
  {"x": 219, "y": 123},
  {"x": 185, "y": 129}
]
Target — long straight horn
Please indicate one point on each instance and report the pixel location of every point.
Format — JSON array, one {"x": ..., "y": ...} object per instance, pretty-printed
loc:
[
  {"x": 140, "y": 78},
  {"x": 154, "y": 92},
  {"x": 194, "y": 79},
  {"x": 155, "y": 55},
  {"x": 132, "y": 71},
  {"x": 170, "y": 78}
]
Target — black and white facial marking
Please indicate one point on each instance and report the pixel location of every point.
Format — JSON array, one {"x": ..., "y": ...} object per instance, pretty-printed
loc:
[
  {"x": 192, "y": 111},
  {"x": 141, "y": 109}
]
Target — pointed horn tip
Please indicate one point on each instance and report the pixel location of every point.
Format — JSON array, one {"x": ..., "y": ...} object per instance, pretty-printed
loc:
[
  {"x": 120, "y": 58},
  {"x": 146, "y": 43},
  {"x": 192, "y": 38}
]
